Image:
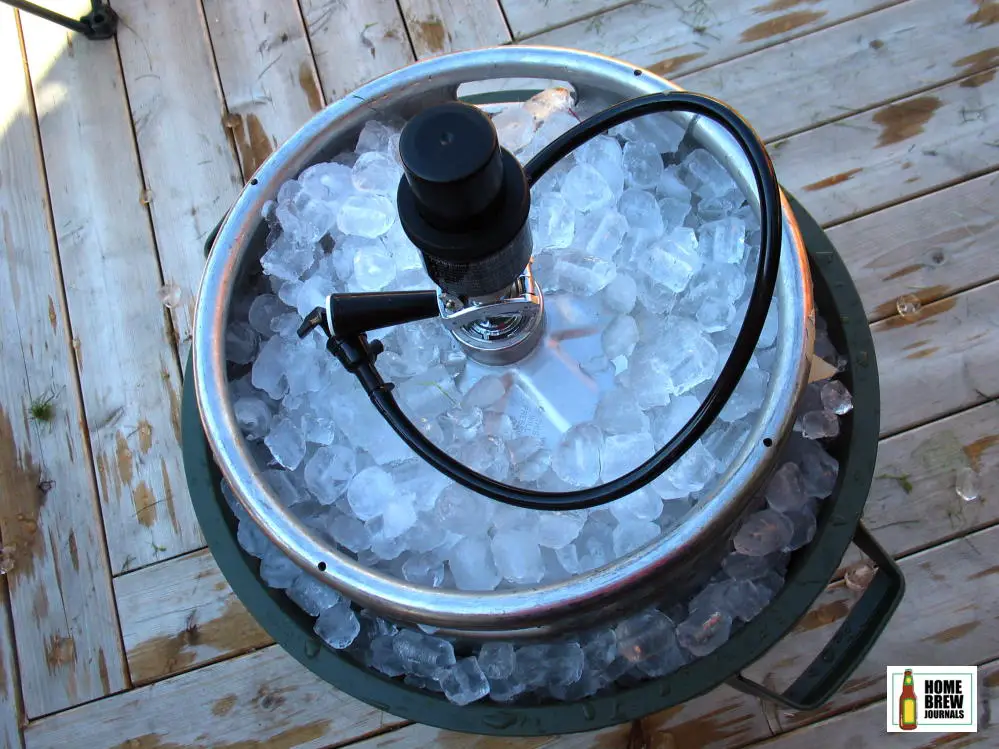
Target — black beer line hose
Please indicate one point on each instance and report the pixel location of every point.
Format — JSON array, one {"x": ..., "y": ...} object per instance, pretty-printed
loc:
[{"x": 358, "y": 356}]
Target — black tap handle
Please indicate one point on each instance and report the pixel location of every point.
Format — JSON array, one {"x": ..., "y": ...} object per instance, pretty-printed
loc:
[{"x": 358, "y": 313}]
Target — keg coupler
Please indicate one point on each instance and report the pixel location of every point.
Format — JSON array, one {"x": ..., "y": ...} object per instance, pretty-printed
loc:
[{"x": 464, "y": 203}]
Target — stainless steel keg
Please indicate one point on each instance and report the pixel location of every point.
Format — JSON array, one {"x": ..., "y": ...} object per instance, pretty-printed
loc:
[{"x": 646, "y": 575}]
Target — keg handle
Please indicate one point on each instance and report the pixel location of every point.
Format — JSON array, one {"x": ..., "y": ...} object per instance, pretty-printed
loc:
[{"x": 853, "y": 640}]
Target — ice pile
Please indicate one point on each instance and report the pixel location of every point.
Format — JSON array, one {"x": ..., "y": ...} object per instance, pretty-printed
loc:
[{"x": 629, "y": 225}]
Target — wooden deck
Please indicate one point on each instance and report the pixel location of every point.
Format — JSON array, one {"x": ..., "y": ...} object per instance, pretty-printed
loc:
[{"x": 117, "y": 631}]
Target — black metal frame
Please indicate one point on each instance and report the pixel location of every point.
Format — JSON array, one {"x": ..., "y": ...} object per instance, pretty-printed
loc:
[{"x": 100, "y": 23}]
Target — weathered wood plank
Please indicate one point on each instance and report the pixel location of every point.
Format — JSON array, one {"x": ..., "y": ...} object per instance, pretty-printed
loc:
[
  {"x": 913, "y": 503},
  {"x": 943, "y": 360},
  {"x": 188, "y": 164},
  {"x": 181, "y": 614},
  {"x": 268, "y": 75},
  {"x": 889, "y": 154},
  {"x": 946, "y": 617},
  {"x": 369, "y": 33},
  {"x": 836, "y": 71},
  {"x": 11, "y": 714},
  {"x": 60, "y": 586},
  {"x": 264, "y": 699},
  {"x": 856, "y": 729},
  {"x": 527, "y": 17},
  {"x": 672, "y": 38},
  {"x": 721, "y": 718},
  {"x": 439, "y": 26},
  {"x": 125, "y": 356},
  {"x": 933, "y": 246}
]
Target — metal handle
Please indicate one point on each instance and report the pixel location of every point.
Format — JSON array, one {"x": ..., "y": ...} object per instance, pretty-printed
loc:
[{"x": 852, "y": 641}]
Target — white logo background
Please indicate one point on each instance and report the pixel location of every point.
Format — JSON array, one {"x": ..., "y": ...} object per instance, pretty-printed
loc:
[{"x": 966, "y": 676}]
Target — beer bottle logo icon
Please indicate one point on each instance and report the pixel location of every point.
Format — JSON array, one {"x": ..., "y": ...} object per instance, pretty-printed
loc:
[{"x": 907, "y": 703}]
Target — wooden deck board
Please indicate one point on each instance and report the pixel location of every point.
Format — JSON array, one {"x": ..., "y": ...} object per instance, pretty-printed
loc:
[
  {"x": 264, "y": 699},
  {"x": 439, "y": 26},
  {"x": 177, "y": 112},
  {"x": 125, "y": 355},
  {"x": 917, "y": 218},
  {"x": 11, "y": 714},
  {"x": 179, "y": 615},
  {"x": 369, "y": 33},
  {"x": 840, "y": 70},
  {"x": 64, "y": 614},
  {"x": 672, "y": 38},
  {"x": 268, "y": 76}
]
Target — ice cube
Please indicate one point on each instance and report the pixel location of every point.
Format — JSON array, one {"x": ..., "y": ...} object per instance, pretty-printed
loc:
[
  {"x": 312, "y": 595},
  {"x": 577, "y": 459},
  {"x": 585, "y": 189},
  {"x": 604, "y": 154},
  {"x": 514, "y": 127},
  {"x": 804, "y": 523},
  {"x": 725, "y": 441},
  {"x": 604, "y": 236},
  {"x": 374, "y": 268},
  {"x": 497, "y": 425},
  {"x": 530, "y": 459},
  {"x": 705, "y": 175},
  {"x": 240, "y": 342},
  {"x": 649, "y": 379},
  {"x": 819, "y": 469},
  {"x": 554, "y": 221},
  {"x": 819, "y": 425},
  {"x": 366, "y": 215},
  {"x": 429, "y": 394},
  {"x": 641, "y": 211},
  {"x": 286, "y": 443},
  {"x": 743, "y": 567},
  {"x": 763, "y": 533},
  {"x": 328, "y": 471},
  {"x": 496, "y": 659},
  {"x": 376, "y": 172},
  {"x": 648, "y": 637},
  {"x": 518, "y": 557},
  {"x": 687, "y": 355},
  {"x": 350, "y": 533},
  {"x": 716, "y": 314},
  {"x": 277, "y": 570},
  {"x": 374, "y": 136},
  {"x": 488, "y": 456},
  {"x": 252, "y": 416},
  {"x": 471, "y": 564},
  {"x": 704, "y": 631},
  {"x": 556, "y": 529},
  {"x": 624, "y": 452},
  {"x": 484, "y": 393},
  {"x": 618, "y": 412},
  {"x": 620, "y": 294},
  {"x": 583, "y": 274},
  {"x": 398, "y": 515},
  {"x": 564, "y": 661},
  {"x": 464, "y": 682},
  {"x": 337, "y": 626},
  {"x": 748, "y": 395},
  {"x": 462, "y": 511},
  {"x": 633, "y": 534},
  {"x": 422, "y": 654},
  {"x": 723, "y": 240},
  {"x": 836, "y": 398},
  {"x": 251, "y": 539},
  {"x": 674, "y": 212},
  {"x": 423, "y": 569},
  {"x": 693, "y": 471},
  {"x": 643, "y": 164},
  {"x": 620, "y": 337},
  {"x": 643, "y": 504},
  {"x": 785, "y": 491},
  {"x": 370, "y": 491}
]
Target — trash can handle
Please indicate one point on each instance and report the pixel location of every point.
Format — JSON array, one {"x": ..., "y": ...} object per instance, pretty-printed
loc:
[{"x": 851, "y": 643}]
